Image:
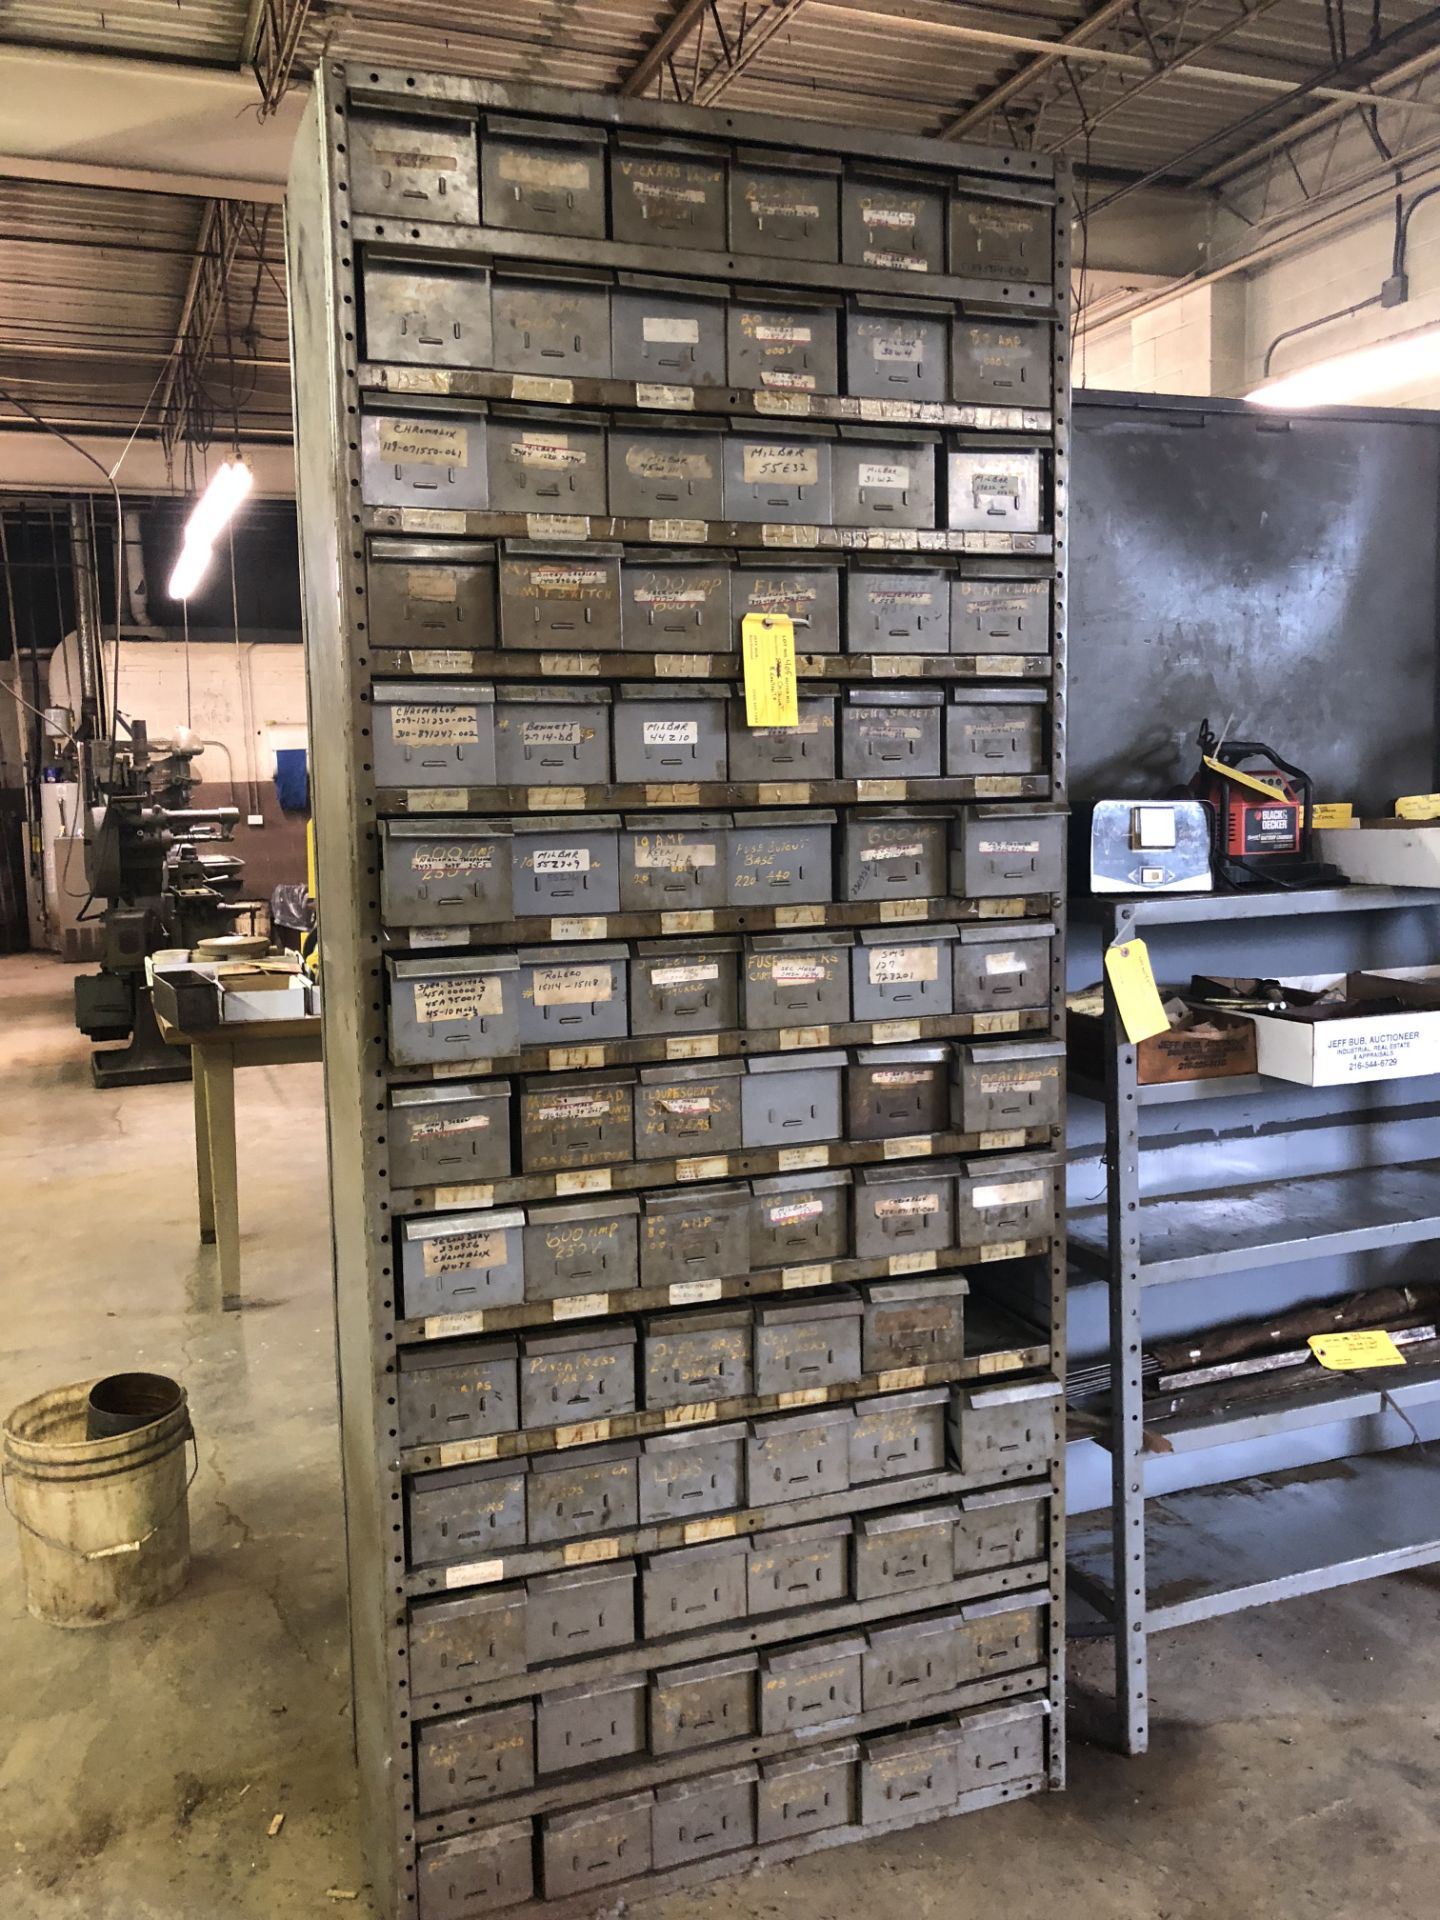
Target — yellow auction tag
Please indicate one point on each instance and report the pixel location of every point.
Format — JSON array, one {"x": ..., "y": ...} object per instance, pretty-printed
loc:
[
  {"x": 1271, "y": 786},
  {"x": 1345, "y": 1352},
  {"x": 1137, "y": 998},
  {"x": 1418, "y": 806},
  {"x": 1332, "y": 813},
  {"x": 768, "y": 644}
]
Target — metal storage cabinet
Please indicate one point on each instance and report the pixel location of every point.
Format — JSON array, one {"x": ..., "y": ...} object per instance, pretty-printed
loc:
[
  {"x": 723, "y": 998},
  {"x": 887, "y": 732},
  {"x": 988, "y": 731}
]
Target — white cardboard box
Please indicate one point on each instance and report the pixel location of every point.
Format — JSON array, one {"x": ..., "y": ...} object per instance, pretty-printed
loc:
[
  {"x": 1343, "y": 1051},
  {"x": 1402, "y": 855}
]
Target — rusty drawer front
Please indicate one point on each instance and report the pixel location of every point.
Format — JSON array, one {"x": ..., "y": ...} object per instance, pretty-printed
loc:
[
  {"x": 1001, "y": 239},
  {"x": 476, "y": 1874},
  {"x": 904, "y": 1552},
  {"x": 902, "y": 607},
  {"x": 691, "y": 1239},
  {"x": 583, "y": 1610},
  {"x": 594, "y": 1490},
  {"x": 798, "y": 1456},
  {"x": 414, "y": 169},
  {"x": 695, "y": 1819},
  {"x": 800, "y": 1219},
  {"x": 692, "y": 1357},
  {"x": 688, "y": 1111},
  {"x": 567, "y": 1378},
  {"x": 805, "y": 751},
  {"x": 906, "y": 1774},
  {"x": 581, "y": 1247},
  {"x": 796, "y": 980},
  {"x": 693, "y": 1588},
  {"x": 806, "y": 1687},
  {"x": 449, "y": 1134},
  {"x": 431, "y": 593},
  {"x": 898, "y": 1436},
  {"x": 906, "y": 1666},
  {"x": 893, "y": 219},
  {"x": 551, "y": 321},
  {"x": 1004, "y": 1745},
  {"x": 896, "y": 1092},
  {"x": 806, "y": 1793},
  {"x": 684, "y": 986},
  {"x": 816, "y": 1344},
  {"x": 552, "y": 596},
  {"x": 1002, "y": 971},
  {"x": 703, "y": 1705},
  {"x": 687, "y": 1474},
  {"x": 458, "y": 1392},
  {"x": 1000, "y": 1637},
  {"x": 1009, "y": 1431},
  {"x": 467, "y": 1513},
  {"x": 596, "y": 1846},
  {"x": 1005, "y": 1527},
  {"x": 586, "y": 1725},
  {"x": 468, "y": 1641},
  {"x": 805, "y": 591},
  {"x": 783, "y": 209},
  {"x": 805, "y": 1566},
  {"x": 475, "y": 1757},
  {"x": 570, "y": 1124},
  {"x": 668, "y": 193},
  {"x": 913, "y": 1323},
  {"x": 1001, "y": 363},
  {"x": 1001, "y": 1088},
  {"x": 904, "y": 1210},
  {"x": 537, "y": 177}
]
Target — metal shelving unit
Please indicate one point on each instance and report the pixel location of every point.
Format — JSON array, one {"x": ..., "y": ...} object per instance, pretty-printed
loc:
[
  {"x": 1158, "y": 1561},
  {"x": 516, "y": 1536}
]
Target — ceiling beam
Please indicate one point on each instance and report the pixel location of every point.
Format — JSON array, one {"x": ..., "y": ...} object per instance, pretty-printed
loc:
[
  {"x": 749, "y": 33},
  {"x": 686, "y": 15},
  {"x": 37, "y": 461},
  {"x": 999, "y": 96}
]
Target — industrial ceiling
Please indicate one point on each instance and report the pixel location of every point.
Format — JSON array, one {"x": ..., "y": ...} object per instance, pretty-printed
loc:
[{"x": 165, "y": 310}]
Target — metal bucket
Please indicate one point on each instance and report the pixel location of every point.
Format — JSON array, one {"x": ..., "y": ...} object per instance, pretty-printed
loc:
[
  {"x": 104, "y": 1523},
  {"x": 121, "y": 1402}
]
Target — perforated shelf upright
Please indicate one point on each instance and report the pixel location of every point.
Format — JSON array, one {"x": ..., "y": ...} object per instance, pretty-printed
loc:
[{"x": 694, "y": 1090}]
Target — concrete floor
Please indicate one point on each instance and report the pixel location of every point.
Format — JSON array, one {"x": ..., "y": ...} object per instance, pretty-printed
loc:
[{"x": 1296, "y": 1762}]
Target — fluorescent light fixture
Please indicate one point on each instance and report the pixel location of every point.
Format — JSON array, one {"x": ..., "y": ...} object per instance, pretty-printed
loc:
[
  {"x": 1362, "y": 375},
  {"x": 209, "y": 517}
]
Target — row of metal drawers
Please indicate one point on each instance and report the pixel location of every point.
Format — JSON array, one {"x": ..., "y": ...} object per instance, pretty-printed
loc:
[
  {"x": 538, "y": 176},
  {"x": 467, "y": 1514},
  {"x": 526, "y": 460},
  {"x": 543, "y": 595},
  {"x": 470, "y": 872},
  {"x": 583, "y": 324},
  {"x": 463, "y": 733}
]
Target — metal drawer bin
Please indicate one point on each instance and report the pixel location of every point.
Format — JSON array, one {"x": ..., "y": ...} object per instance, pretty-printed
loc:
[
  {"x": 543, "y": 462},
  {"x": 694, "y": 1238},
  {"x": 560, "y": 597},
  {"x": 475, "y": 1757},
  {"x": 785, "y": 205},
  {"x": 1001, "y": 240},
  {"x": 679, "y": 602},
  {"x": 456, "y": 1262},
  {"x": 581, "y": 1247},
  {"x": 431, "y": 593},
  {"x": 570, "y": 1378},
  {"x": 684, "y": 986},
  {"x": 586, "y": 1725},
  {"x": 468, "y": 1641},
  {"x": 664, "y": 734},
  {"x": 674, "y": 861},
  {"x": 1001, "y": 363},
  {"x": 805, "y": 751},
  {"x": 791, "y": 1100},
  {"x": 418, "y": 459},
  {"x": 467, "y": 1513},
  {"x": 552, "y": 320},
  {"x": 903, "y": 976},
  {"x": 595, "y": 1846},
  {"x": 816, "y": 1344},
  {"x": 799, "y": 1219},
  {"x": 893, "y": 218},
  {"x": 999, "y": 1088},
  {"x": 893, "y": 1092},
  {"x": 1003, "y": 1635},
  {"x": 798, "y": 1567},
  {"x": 414, "y": 169},
  {"x": 552, "y": 737},
  {"x": 914, "y": 1323},
  {"x": 573, "y": 994},
  {"x": 686, "y": 1474},
  {"x": 805, "y": 1687},
  {"x": 537, "y": 177},
  {"x": 885, "y": 478},
  {"x": 1001, "y": 1528},
  {"x": 806, "y": 591},
  {"x": 906, "y": 1774},
  {"x": 703, "y": 1705},
  {"x": 904, "y": 1209},
  {"x": 781, "y": 859},
  {"x": 667, "y": 192},
  {"x": 424, "y": 313},
  {"x": 566, "y": 863},
  {"x": 453, "y": 1009},
  {"x": 1005, "y": 850},
  {"x": 1003, "y": 969},
  {"x": 783, "y": 476},
  {"x": 904, "y": 1552},
  {"x": 583, "y": 1610},
  {"x": 458, "y": 1392},
  {"x": 670, "y": 331},
  {"x": 1008, "y": 1199},
  {"x": 994, "y": 492},
  {"x": 901, "y": 607},
  {"x": 593, "y": 1490},
  {"x": 899, "y": 1436},
  {"x": 797, "y": 1456},
  {"x": 567, "y": 1123},
  {"x": 994, "y": 730},
  {"x": 682, "y": 1111},
  {"x": 696, "y": 1357},
  {"x": 476, "y": 1873},
  {"x": 433, "y": 734},
  {"x": 906, "y": 1666},
  {"x": 896, "y": 349},
  {"x": 1006, "y": 1744},
  {"x": 890, "y": 853},
  {"x": 784, "y": 342},
  {"x": 692, "y": 1589},
  {"x": 1008, "y": 1431},
  {"x": 449, "y": 1134},
  {"x": 662, "y": 467},
  {"x": 697, "y": 1818},
  {"x": 806, "y": 1793},
  {"x": 1000, "y": 616},
  {"x": 797, "y": 980}
]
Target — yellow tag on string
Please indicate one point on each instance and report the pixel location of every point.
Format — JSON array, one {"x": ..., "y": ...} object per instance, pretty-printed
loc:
[
  {"x": 768, "y": 645},
  {"x": 1137, "y": 998},
  {"x": 1259, "y": 783},
  {"x": 1418, "y": 806},
  {"x": 1346, "y": 1352}
]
